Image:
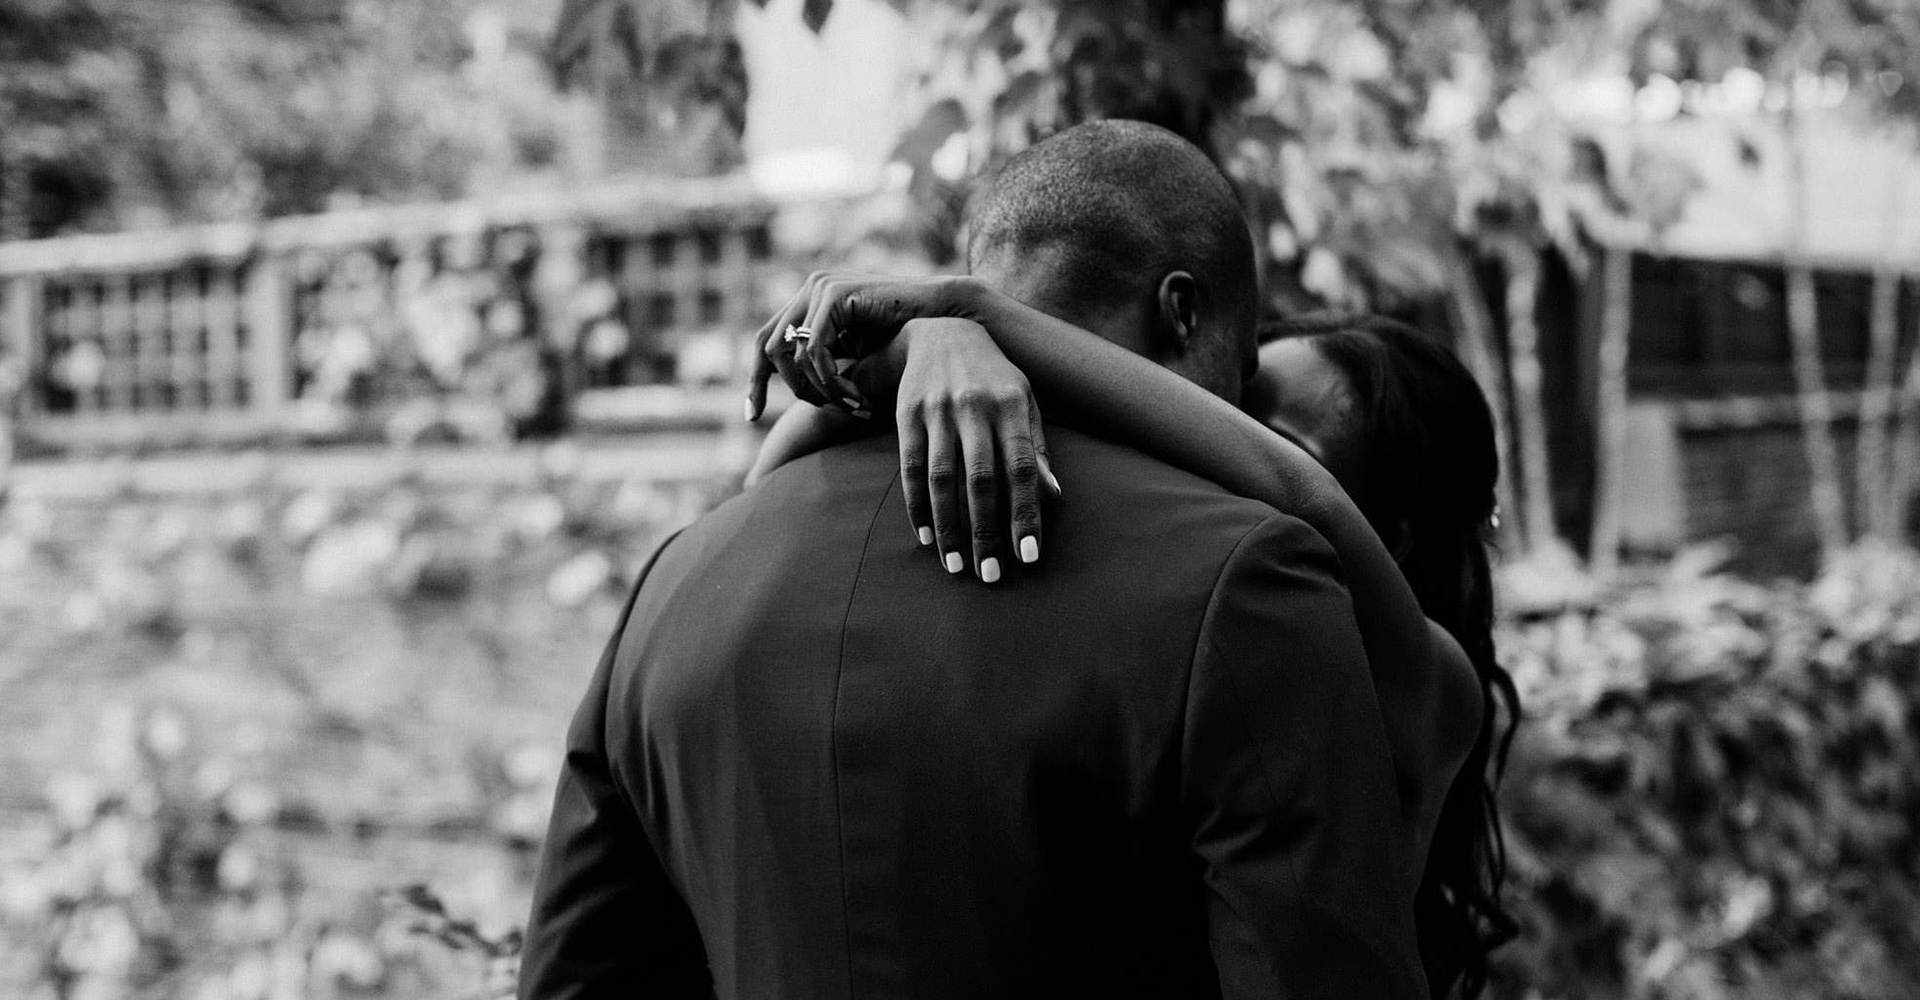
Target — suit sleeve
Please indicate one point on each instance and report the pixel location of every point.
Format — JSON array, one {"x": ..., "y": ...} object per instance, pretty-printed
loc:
[
  {"x": 1287, "y": 779},
  {"x": 606, "y": 921}
]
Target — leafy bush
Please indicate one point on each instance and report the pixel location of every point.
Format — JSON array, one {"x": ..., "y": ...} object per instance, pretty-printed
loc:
[
  {"x": 296, "y": 742},
  {"x": 1715, "y": 792},
  {"x": 171, "y": 872}
]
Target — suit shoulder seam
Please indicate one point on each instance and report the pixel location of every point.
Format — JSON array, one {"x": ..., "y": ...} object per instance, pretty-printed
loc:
[
  {"x": 1204, "y": 641},
  {"x": 833, "y": 720},
  {"x": 1200, "y": 636},
  {"x": 619, "y": 643}
]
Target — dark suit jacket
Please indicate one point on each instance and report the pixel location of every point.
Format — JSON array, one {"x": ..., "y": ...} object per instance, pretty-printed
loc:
[{"x": 813, "y": 765}]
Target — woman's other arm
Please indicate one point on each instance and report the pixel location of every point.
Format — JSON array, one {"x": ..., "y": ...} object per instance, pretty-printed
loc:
[{"x": 803, "y": 430}]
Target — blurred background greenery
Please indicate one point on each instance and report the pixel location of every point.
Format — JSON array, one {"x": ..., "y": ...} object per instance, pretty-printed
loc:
[{"x": 353, "y": 353}]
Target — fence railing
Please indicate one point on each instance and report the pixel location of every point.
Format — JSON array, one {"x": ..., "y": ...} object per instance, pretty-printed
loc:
[{"x": 514, "y": 311}]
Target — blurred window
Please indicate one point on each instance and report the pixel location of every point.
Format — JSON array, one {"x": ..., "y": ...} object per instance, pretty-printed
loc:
[
  {"x": 661, "y": 247},
  {"x": 1705, "y": 327},
  {"x": 660, "y": 311}
]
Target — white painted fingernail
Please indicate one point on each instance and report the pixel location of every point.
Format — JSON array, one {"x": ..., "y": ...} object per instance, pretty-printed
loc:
[
  {"x": 1029, "y": 549},
  {"x": 954, "y": 563},
  {"x": 926, "y": 536},
  {"x": 851, "y": 403},
  {"x": 1051, "y": 480},
  {"x": 746, "y": 410},
  {"x": 990, "y": 570}
]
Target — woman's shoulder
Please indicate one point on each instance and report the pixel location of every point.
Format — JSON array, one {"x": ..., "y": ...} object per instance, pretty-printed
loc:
[{"x": 1457, "y": 699}]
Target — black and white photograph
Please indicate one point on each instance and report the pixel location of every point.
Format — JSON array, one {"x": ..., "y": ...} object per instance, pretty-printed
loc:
[{"x": 945, "y": 499}]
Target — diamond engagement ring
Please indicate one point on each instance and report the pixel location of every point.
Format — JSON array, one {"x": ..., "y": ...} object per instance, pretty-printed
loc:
[{"x": 797, "y": 335}]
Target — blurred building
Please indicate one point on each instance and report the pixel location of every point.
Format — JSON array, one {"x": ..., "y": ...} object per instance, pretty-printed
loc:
[{"x": 1714, "y": 430}]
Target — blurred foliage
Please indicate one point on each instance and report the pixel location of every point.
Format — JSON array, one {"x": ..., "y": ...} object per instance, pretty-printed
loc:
[
  {"x": 660, "y": 69},
  {"x": 182, "y": 873},
  {"x": 450, "y": 343},
  {"x": 1370, "y": 137},
  {"x": 296, "y": 742},
  {"x": 1874, "y": 43},
  {"x": 1714, "y": 795},
  {"x": 997, "y": 75},
  {"x": 114, "y": 114}
]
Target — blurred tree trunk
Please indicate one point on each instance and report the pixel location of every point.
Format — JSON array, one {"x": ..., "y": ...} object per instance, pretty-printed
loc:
[
  {"x": 1874, "y": 499},
  {"x": 1521, "y": 264},
  {"x": 1473, "y": 325},
  {"x": 13, "y": 368},
  {"x": 1610, "y": 406},
  {"x": 1810, "y": 386},
  {"x": 1873, "y": 472},
  {"x": 1906, "y": 445},
  {"x": 1816, "y": 411}
]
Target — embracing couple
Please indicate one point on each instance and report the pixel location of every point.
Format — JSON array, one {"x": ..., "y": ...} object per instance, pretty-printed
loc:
[{"x": 1203, "y": 704}]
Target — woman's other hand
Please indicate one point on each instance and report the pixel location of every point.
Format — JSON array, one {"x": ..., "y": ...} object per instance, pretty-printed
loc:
[
  {"x": 965, "y": 414},
  {"x": 801, "y": 431},
  {"x": 969, "y": 431},
  {"x": 836, "y": 319}
]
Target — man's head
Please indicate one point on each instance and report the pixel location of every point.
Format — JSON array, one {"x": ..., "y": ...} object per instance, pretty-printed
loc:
[{"x": 1129, "y": 230}]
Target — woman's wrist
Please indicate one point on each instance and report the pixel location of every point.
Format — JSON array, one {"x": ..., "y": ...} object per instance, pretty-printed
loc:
[
  {"x": 926, "y": 333},
  {"x": 963, "y": 296},
  {"x": 966, "y": 297},
  {"x": 1000, "y": 315},
  {"x": 939, "y": 328}
]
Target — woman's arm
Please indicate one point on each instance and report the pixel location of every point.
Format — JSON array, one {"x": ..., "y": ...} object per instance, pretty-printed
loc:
[
  {"x": 1093, "y": 383},
  {"x": 1088, "y": 381}
]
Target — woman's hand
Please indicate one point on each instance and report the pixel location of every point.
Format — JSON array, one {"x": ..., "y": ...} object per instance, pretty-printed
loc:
[
  {"x": 966, "y": 416},
  {"x": 964, "y": 412},
  {"x": 837, "y": 319}
]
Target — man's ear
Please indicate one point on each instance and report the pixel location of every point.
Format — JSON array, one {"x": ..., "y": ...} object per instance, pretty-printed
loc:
[{"x": 1179, "y": 311}]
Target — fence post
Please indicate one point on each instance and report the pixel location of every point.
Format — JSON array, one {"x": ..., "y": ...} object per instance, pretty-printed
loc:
[
  {"x": 23, "y": 330},
  {"x": 269, "y": 334},
  {"x": 558, "y": 274},
  {"x": 22, "y": 344}
]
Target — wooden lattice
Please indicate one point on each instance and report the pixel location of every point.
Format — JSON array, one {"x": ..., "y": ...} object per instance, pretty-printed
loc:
[{"x": 243, "y": 330}]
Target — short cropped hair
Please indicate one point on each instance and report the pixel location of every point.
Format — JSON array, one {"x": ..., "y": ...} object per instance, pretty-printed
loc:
[{"x": 1120, "y": 203}]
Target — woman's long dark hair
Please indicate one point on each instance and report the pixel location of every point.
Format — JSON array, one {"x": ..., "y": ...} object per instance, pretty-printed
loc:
[{"x": 1430, "y": 463}]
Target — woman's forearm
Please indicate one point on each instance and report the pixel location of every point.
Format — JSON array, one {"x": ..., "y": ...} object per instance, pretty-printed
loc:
[
  {"x": 1086, "y": 380},
  {"x": 1100, "y": 386},
  {"x": 1082, "y": 379},
  {"x": 1089, "y": 381}
]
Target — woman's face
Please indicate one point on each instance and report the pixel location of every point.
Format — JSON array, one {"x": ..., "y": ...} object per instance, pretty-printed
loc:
[{"x": 1309, "y": 401}]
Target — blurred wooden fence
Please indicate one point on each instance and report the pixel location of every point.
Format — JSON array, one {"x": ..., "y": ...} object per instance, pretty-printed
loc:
[{"x": 540, "y": 306}]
